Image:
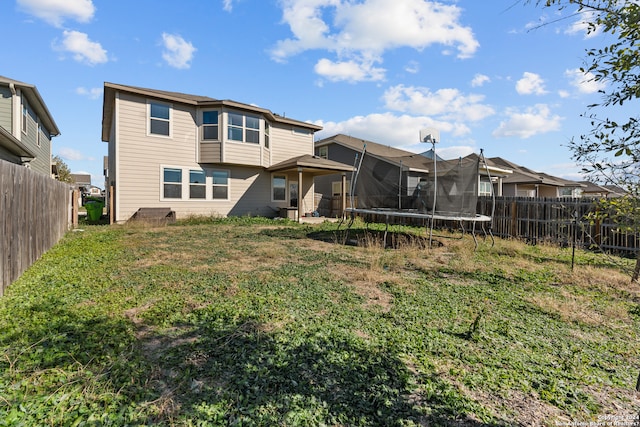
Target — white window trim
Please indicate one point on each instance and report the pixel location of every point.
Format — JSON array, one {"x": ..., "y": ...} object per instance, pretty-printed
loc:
[
  {"x": 182, "y": 183},
  {"x": 24, "y": 115},
  {"x": 267, "y": 135},
  {"x": 186, "y": 183},
  {"x": 323, "y": 152},
  {"x": 155, "y": 135},
  {"x": 202, "y": 125},
  {"x": 209, "y": 173},
  {"x": 260, "y": 130}
]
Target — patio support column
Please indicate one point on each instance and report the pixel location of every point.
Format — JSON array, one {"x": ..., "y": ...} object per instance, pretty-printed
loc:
[
  {"x": 344, "y": 193},
  {"x": 300, "y": 196}
]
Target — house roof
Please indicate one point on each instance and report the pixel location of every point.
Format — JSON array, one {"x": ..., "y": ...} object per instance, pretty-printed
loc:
[
  {"x": 14, "y": 146},
  {"x": 81, "y": 179},
  {"x": 195, "y": 100},
  {"x": 523, "y": 175},
  {"x": 415, "y": 162},
  {"x": 36, "y": 102},
  {"x": 311, "y": 163},
  {"x": 494, "y": 169}
]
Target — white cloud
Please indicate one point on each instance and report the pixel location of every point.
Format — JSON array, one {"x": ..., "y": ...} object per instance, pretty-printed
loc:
[
  {"x": 399, "y": 131},
  {"x": 177, "y": 51},
  {"x": 56, "y": 11},
  {"x": 584, "y": 82},
  {"x": 227, "y": 5},
  {"x": 530, "y": 83},
  {"x": 479, "y": 80},
  {"x": 449, "y": 104},
  {"x": 83, "y": 49},
  {"x": 412, "y": 67},
  {"x": 93, "y": 93},
  {"x": 582, "y": 26},
  {"x": 72, "y": 154},
  {"x": 533, "y": 121},
  {"x": 351, "y": 71},
  {"x": 365, "y": 29}
]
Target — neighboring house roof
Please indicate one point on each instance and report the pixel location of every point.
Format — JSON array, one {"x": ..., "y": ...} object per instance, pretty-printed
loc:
[
  {"x": 616, "y": 191},
  {"x": 591, "y": 188},
  {"x": 429, "y": 155},
  {"x": 36, "y": 102},
  {"x": 81, "y": 178},
  {"x": 494, "y": 168},
  {"x": 312, "y": 163},
  {"x": 523, "y": 175},
  {"x": 195, "y": 100},
  {"x": 415, "y": 162}
]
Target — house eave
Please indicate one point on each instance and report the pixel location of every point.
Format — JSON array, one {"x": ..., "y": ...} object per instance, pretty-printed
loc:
[{"x": 15, "y": 146}]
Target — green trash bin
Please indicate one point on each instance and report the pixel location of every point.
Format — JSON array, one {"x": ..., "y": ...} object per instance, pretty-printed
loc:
[{"x": 94, "y": 210}]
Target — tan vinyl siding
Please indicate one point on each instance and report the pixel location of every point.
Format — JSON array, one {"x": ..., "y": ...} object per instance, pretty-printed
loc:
[
  {"x": 285, "y": 143},
  {"x": 210, "y": 152},
  {"x": 140, "y": 156},
  {"x": 241, "y": 153},
  {"x": 6, "y": 119}
]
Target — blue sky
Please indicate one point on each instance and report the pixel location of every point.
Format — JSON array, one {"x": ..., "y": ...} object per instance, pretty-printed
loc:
[{"x": 496, "y": 75}]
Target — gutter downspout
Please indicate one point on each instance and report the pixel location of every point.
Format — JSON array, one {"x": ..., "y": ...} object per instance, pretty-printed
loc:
[{"x": 15, "y": 112}]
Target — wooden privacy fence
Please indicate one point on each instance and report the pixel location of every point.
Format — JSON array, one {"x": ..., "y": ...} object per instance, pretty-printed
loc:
[
  {"x": 557, "y": 221},
  {"x": 35, "y": 212}
]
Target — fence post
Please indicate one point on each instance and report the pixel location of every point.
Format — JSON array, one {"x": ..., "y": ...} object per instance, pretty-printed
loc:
[
  {"x": 514, "y": 220},
  {"x": 74, "y": 208},
  {"x": 111, "y": 212}
]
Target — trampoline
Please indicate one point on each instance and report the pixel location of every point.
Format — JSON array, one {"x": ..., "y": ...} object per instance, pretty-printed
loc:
[{"x": 445, "y": 193}]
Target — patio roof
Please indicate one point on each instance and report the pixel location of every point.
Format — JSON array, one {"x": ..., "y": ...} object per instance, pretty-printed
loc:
[{"x": 309, "y": 163}]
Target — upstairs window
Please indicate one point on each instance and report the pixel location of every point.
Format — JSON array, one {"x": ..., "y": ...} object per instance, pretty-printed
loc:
[
  {"x": 25, "y": 115},
  {"x": 39, "y": 136},
  {"x": 210, "y": 126},
  {"x": 159, "y": 119},
  {"x": 323, "y": 152},
  {"x": 267, "y": 134},
  {"x": 243, "y": 128}
]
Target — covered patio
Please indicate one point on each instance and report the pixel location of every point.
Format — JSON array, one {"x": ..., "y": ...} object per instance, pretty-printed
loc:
[{"x": 306, "y": 168}]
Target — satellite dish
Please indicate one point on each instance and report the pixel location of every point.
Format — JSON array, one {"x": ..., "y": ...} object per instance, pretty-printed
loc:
[{"x": 429, "y": 135}]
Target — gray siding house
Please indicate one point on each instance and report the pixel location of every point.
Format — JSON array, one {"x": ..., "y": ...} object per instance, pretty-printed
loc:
[
  {"x": 197, "y": 155},
  {"x": 26, "y": 126}
]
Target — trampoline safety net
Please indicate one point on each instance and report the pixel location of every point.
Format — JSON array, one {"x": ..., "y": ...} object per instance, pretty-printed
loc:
[{"x": 412, "y": 185}]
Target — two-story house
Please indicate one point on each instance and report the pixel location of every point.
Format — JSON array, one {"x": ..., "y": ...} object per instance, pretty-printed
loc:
[
  {"x": 203, "y": 156},
  {"x": 26, "y": 126}
]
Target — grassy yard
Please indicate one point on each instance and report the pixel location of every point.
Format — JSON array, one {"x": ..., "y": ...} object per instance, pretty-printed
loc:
[{"x": 259, "y": 322}]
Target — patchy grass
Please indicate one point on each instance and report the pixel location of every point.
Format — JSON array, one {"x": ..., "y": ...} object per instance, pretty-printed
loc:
[{"x": 258, "y": 322}]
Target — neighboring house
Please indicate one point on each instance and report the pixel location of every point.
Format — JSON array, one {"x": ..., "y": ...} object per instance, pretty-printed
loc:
[
  {"x": 524, "y": 182},
  {"x": 380, "y": 167},
  {"x": 81, "y": 181},
  {"x": 26, "y": 126},
  {"x": 198, "y": 155}
]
